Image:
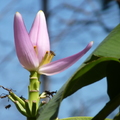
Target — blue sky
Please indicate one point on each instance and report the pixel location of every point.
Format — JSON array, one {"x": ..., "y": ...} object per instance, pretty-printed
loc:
[{"x": 75, "y": 35}]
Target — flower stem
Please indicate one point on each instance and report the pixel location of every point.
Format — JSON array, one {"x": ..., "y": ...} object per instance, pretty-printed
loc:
[{"x": 33, "y": 89}]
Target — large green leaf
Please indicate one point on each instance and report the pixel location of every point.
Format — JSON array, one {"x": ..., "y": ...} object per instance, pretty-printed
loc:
[
  {"x": 110, "y": 47},
  {"x": 50, "y": 110},
  {"x": 113, "y": 79},
  {"x": 89, "y": 72},
  {"x": 80, "y": 118}
]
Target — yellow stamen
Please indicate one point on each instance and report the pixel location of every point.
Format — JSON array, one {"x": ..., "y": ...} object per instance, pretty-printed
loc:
[
  {"x": 35, "y": 47},
  {"x": 47, "y": 58},
  {"x": 52, "y": 54}
]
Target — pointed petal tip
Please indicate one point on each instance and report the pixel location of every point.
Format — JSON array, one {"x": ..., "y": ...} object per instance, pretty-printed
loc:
[
  {"x": 17, "y": 13},
  {"x": 91, "y": 43},
  {"x": 40, "y": 12}
]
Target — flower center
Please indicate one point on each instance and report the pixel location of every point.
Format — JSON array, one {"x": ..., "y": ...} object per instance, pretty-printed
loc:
[{"x": 47, "y": 58}]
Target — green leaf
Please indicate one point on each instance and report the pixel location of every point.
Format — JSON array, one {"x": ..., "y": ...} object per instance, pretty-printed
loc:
[
  {"x": 89, "y": 72},
  {"x": 80, "y": 118},
  {"x": 50, "y": 110},
  {"x": 110, "y": 47},
  {"x": 113, "y": 79}
]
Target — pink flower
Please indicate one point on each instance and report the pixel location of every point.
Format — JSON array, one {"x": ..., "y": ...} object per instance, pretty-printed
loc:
[{"x": 33, "y": 48}]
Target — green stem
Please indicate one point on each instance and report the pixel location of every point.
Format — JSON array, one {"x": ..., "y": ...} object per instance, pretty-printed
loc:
[{"x": 33, "y": 90}]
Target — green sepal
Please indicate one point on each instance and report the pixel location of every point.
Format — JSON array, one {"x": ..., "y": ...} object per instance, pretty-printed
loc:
[
  {"x": 28, "y": 108},
  {"x": 34, "y": 108},
  {"x": 20, "y": 108},
  {"x": 10, "y": 97},
  {"x": 16, "y": 98}
]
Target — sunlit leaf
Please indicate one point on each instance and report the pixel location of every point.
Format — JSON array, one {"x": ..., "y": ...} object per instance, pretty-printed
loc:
[
  {"x": 94, "y": 69},
  {"x": 80, "y": 118},
  {"x": 110, "y": 47},
  {"x": 88, "y": 74}
]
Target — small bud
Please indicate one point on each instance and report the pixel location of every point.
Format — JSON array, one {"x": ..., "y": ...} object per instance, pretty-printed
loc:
[{"x": 43, "y": 95}]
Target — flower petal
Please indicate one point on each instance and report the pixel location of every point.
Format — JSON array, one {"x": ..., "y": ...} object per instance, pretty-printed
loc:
[
  {"x": 62, "y": 64},
  {"x": 39, "y": 35},
  {"x": 24, "y": 48}
]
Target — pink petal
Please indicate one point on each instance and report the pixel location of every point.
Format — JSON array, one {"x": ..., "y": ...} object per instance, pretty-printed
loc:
[
  {"x": 39, "y": 35},
  {"x": 24, "y": 48},
  {"x": 62, "y": 64}
]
